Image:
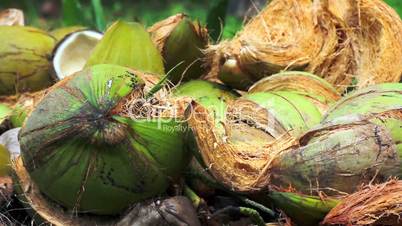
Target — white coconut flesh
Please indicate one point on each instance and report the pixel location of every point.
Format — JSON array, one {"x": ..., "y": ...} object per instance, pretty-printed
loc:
[{"x": 73, "y": 52}]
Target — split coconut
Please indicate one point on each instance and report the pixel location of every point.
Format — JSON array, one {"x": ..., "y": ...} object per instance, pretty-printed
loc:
[{"x": 72, "y": 52}]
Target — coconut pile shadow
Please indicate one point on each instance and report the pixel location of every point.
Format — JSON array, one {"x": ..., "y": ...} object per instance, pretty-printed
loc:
[{"x": 297, "y": 120}]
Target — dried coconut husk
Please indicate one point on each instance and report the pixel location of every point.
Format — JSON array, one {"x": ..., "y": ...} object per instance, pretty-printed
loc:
[
  {"x": 349, "y": 43},
  {"x": 373, "y": 29},
  {"x": 12, "y": 17},
  {"x": 284, "y": 35},
  {"x": 374, "y": 205}
]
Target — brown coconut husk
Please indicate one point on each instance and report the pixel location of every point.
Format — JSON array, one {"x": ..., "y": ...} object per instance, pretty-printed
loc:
[
  {"x": 374, "y": 205},
  {"x": 240, "y": 166},
  {"x": 12, "y": 17},
  {"x": 347, "y": 42},
  {"x": 372, "y": 30},
  {"x": 44, "y": 209},
  {"x": 284, "y": 35}
]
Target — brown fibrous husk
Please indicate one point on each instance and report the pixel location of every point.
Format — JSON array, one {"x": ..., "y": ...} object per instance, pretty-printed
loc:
[
  {"x": 239, "y": 166},
  {"x": 374, "y": 205},
  {"x": 349, "y": 43},
  {"x": 12, "y": 17}
]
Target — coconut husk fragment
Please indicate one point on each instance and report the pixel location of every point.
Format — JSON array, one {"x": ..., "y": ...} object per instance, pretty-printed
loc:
[{"x": 374, "y": 205}]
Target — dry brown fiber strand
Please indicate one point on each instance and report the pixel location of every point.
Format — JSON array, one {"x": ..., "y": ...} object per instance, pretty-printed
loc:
[
  {"x": 374, "y": 205},
  {"x": 347, "y": 42}
]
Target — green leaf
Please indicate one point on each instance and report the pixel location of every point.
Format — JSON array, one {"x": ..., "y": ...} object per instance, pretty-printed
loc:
[
  {"x": 71, "y": 14},
  {"x": 99, "y": 14}
]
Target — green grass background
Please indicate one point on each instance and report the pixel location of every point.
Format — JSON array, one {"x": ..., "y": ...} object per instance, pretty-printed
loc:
[{"x": 146, "y": 11}]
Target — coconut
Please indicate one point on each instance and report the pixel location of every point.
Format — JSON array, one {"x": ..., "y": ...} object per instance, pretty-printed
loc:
[
  {"x": 381, "y": 104},
  {"x": 316, "y": 89},
  {"x": 97, "y": 143},
  {"x": 11, "y": 17},
  {"x": 128, "y": 45},
  {"x": 237, "y": 144},
  {"x": 346, "y": 42},
  {"x": 336, "y": 159},
  {"x": 72, "y": 52},
  {"x": 180, "y": 41},
  {"x": 24, "y": 61},
  {"x": 373, "y": 205}
]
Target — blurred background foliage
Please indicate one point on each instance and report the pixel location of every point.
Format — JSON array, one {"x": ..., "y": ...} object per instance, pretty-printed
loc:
[{"x": 217, "y": 14}]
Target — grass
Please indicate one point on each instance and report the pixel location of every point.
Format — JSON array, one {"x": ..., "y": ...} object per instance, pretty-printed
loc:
[{"x": 98, "y": 14}]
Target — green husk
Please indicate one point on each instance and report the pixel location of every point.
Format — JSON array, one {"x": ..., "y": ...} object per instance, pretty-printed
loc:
[
  {"x": 87, "y": 148},
  {"x": 5, "y": 162},
  {"x": 180, "y": 40},
  {"x": 129, "y": 45},
  {"x": 24, "y": 61},
  {"x": 314, "y": 88},
  {"x": 381, "y": 104},
  {"x": 5, "y": 112},
  {"x": 62, "y": 32},
  {"x": 303, "y": 209},
  {"x": 336, "y": 159}
]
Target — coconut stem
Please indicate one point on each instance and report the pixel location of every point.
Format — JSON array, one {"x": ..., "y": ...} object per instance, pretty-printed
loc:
[{"x": 195, "y": 199}]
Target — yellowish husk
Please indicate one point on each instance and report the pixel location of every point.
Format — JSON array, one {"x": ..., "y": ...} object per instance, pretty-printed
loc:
[{"x": 349, "y": 43}]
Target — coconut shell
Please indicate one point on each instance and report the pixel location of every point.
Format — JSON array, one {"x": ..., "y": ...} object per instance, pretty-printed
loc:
[
  {"x": 374, "y": 205},
  {"x": 129, "y": 45},
  {"x": 87, "y": 150},
  {"x": 24, "y": 61},
  {"x": 317, "y": 90}
]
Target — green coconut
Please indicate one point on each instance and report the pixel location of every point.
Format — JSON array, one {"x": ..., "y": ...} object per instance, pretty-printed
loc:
[
  {"x": 62, "y": 32},
  {"x": 381, "y": 104},
  {"x": 96, "y": 144},
  {"x": 24, "y": 61},
  {"x": 336, "y": 159},
  {"x": 316, "y": 89},
  {"x": 181, "y": 41},
  {"x": 129, "y": 45},
  {"x": 255, "y": 128}
]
